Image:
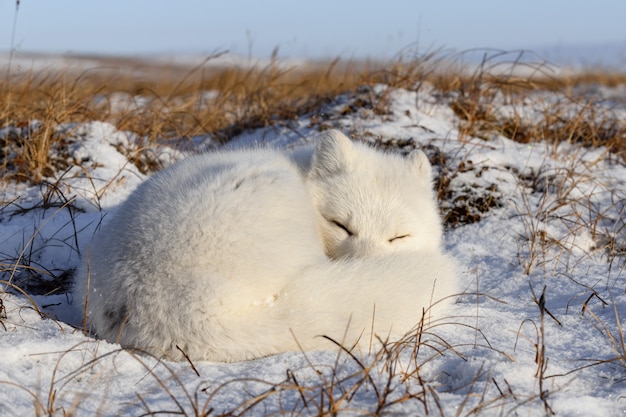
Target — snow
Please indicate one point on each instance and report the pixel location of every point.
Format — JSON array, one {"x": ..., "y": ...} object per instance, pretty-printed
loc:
[{"x": 543, "y": 271}]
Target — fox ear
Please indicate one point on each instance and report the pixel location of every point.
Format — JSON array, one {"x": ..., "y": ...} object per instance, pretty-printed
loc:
[
  {"x": 420, "y": 164},
  {"x": 333, "y": 154}
]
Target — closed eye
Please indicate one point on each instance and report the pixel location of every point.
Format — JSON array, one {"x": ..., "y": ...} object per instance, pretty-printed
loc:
[
  {"x": 398, "y": 237},
  {"x": 342, "y": 227}
]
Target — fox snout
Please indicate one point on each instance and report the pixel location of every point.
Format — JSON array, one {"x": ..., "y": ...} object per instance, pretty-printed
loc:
[{"x": 361, "y": 248}]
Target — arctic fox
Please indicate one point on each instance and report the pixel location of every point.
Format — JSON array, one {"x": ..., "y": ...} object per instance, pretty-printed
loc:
[
  {"x": 220, "y": 255},
  {"x": 370, "y": 202}
]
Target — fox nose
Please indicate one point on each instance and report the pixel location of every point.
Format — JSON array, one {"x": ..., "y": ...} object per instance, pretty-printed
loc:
[{"x": 359, "y": 248}]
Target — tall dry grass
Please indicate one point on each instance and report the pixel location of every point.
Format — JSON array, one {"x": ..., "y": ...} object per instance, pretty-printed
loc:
[
  {"x": 165, "y": 102},
  {"x": 160, "y": 104}
]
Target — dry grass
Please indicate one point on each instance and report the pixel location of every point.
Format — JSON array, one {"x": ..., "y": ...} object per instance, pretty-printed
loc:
[
  {"x": 165, "y": 103},
  {"x": 574, "y": 119}
]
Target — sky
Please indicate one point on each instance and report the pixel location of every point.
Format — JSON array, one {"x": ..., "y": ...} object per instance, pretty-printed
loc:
[{"x": 323, "y": 28}]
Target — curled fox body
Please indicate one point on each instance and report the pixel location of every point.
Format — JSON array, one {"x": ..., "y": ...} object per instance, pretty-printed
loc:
[{"x": 240, "y": 254}]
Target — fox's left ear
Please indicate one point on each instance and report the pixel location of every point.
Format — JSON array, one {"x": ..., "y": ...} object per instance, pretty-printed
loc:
[
  {"x": 333, "y": 154},
  {"x": 420, "y": 164}
]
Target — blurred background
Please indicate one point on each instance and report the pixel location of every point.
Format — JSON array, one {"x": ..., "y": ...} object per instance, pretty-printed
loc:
[{"x": 576, "y": 33}]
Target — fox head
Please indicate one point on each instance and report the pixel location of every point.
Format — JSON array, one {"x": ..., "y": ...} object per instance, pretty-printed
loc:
[{"x": 371, "y": 202}]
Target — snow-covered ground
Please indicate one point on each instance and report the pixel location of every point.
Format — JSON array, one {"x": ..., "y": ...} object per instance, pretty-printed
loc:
[{"x": 539, "y": 229}]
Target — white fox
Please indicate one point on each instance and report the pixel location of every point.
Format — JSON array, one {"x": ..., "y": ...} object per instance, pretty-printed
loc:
[
  {"x": 220, "y": 255},
  {"x": 370, "y": 202}
]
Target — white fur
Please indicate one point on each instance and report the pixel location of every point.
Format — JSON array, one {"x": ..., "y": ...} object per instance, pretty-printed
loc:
[
  {"x": 220, "y": 255},
  {"x": 385, "y": 202}
]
